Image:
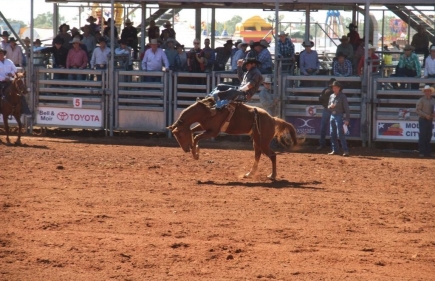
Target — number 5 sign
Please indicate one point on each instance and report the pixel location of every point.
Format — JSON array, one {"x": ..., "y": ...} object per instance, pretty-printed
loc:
[{"x": 77, "y": 102}]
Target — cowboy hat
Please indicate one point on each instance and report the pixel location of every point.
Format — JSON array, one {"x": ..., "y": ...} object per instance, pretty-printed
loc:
[
  {"x": 153, "y": 42},
  {"x": 432, "y": 48},
  {"x": 241, "y": 44},
  {"x": 344, "y": 38},
  {"x": 264, "y": 43},
  {"x": 5, "y": 34},
  {"x": 282, "y": 33},
  {"x": 251, "y": 57},
  {"x": 409, "y": 47},
  {"x": 12, "y": 39},
  {"x": 26, "y": 40},
  {"x": 3, "y": 51},
  {"x": 128, "y": 21},
  {"x": 76, "y": 40},
  {"x": 352, "y": 26},
  {"x": 428, "y": 88},
  {"x": 267, "y": 80},
  {"x": 62, "y": 25},
  {"x": 91, "y": 19},
  {"x": 37, "y": 41},
  {"x": 167, "y": 24},
  {"x": 308, "y": 44},
  {"x": 229, "y": 43},
  {"x": 331, "y": 82},
  {"x": 338, "y": 84},
  {"x": 75, "y": 30},
  {"x": 238, "y": 42}
]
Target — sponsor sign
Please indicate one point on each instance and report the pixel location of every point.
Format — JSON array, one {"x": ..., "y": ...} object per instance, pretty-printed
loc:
[
  {"x": 12, "y": 120},
  {"x": 69, "y": 117},
  {"x": 404, "y": 114},
  {"x": 310, "y": 111},
  {"x": 398, "y": 130},
  {"x": 311, "y": 126}
]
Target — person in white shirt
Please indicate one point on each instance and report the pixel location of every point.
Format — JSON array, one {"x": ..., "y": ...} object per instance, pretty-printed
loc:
[
  {"x": 153, "y": 60},
  {"x": 15, "y": 53},
  {"x": 429, "y": 67},
  {"x": 125, "y": 50},
  {"x": 100, "y": 57},
  {"x": 7, "y": 71}
]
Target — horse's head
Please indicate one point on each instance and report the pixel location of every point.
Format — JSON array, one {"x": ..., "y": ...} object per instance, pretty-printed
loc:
[
  {"x": 182, "y": 134},
  {"x": 20, "y": 84}
]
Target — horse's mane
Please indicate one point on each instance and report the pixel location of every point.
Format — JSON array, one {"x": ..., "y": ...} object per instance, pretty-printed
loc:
[{"x": 207, "y": 101}]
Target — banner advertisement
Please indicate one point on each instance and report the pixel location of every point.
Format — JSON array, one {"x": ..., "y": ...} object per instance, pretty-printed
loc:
[
  {"x": 398, "y": 130},
  {"x": 310, "y": 126},
  {"x": 11, "y": 120},
  {"x": 69, "y": 117}
]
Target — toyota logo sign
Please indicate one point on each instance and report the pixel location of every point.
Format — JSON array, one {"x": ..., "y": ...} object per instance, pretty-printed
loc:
[{"x": 62, "y": 116}]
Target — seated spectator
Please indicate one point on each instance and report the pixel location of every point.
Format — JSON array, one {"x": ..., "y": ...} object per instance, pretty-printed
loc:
[
  {"x": 223, "y": 54},
  {"x": 125, "y": 50},
  {"x": 14, "y": 52},
  {"x": 153, "y": 31},
  {"x": 171, "y": 52},
  {"x": 373, "y": 56},
  {"x": 153, "y": 60},
  {"x": 37, "y": 45},
  {"x": 100, "y": 56},
  {"x": 268, "y": 100},
  {"x": 76, "y": 59},
  {"x": 309, "y": 60},
  {"x": 345, "y": 48},
  {"x": 235, "y": 49},
  {"x": 408, "y": 66},
  {"x": 264, "y": 56},
  {"x": 209, "y": 55},
  {"x": 63, "y": 33},
  {"x": 341, "y": 66},
  {"x": 181, "y": 59},
  {"x": 169, "y": 30},
  {"x": 429, "y": 67}
]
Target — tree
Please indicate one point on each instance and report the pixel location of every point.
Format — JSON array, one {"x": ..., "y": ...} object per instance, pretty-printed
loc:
[
  {"x": 231, "y": 24},
  {"x": 45, "y": 20}
]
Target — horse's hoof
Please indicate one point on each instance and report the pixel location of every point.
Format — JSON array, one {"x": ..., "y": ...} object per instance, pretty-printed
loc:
[
  {"x": 271, "y": 177},
  {"x": 247, "y": 175},
  {"x": 196, "y": 156}
]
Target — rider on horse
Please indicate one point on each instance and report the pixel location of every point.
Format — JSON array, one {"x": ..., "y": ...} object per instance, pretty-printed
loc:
[
  {"x": 7, "y": 71},
  {"x": 251, "y": 81}
]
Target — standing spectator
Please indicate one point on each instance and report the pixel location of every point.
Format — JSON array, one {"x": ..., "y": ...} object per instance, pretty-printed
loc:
[
  {"x": 129, "y": 33},
  {"x": 309, "y": 60},
  {"x": 235, "y": 49},
  {"x": 326, "y": 113},
  {"x": 153, "y": 60},
  {"x": 171, "y": 52},
  {"x": 89, "y": 41},
  {"x": 268, "y": 100},
  {"x": 5, "y": 40},
  {"x": 76, "y": 59},
  {"x": 106, "y": 31},
  {"x": 340, "y": 114},
  {"x": 353, "y": 36},
  {"x": 181, "y": 59},
  {"x": 429, "y": 68},
  {"x": 223, "y": 54},
  {"x": 408, "y": 66},
  {"x": 346, "y": 49},
  {"x": 239, "y": 55},
  {"x": 168, "y": 29},
  {"x": 264, "y": 57},
  {"x": 195, "y": 60},
  {"x": 100, "y": 56},
  {"x": 425, "y": 111},
  {"x": 373, "y": 56},
  {"x": 63, "y": 33},
  {"x": 60, "y": 54},
  {"x": 125, "y": 50},
  {"x": 209, "y": 55},
  {"x": 286, "y": 50},
  {"x": 341, "y": 66},
  {"x": 15, "y": 53},
  {"x": 93, "y": 27},
  {"x": 101, "y": 21},
  {"x": 420, "y": 41},
  {"x": 153, "y": 31}
]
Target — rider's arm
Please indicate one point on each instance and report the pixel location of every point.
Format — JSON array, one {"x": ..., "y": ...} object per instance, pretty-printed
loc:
[{"x": 246, "y": 87}]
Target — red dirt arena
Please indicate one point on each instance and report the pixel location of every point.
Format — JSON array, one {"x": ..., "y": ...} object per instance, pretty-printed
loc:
[{"x": 124, "y": 208}]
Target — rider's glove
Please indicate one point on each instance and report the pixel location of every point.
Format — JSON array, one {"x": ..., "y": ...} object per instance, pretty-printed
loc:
[{"x": 244, "y": 88}]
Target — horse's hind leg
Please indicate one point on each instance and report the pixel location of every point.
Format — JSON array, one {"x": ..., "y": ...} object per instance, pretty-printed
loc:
[
  {"x": 272, "y": 156},
  {"x": 6, "y": 125},
  {"x": 20, "y": 125},
  {"x": 257, "y": 151}
]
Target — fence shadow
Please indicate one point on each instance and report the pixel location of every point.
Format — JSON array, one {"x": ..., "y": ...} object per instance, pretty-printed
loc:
[{"x": 272, "y": 184}]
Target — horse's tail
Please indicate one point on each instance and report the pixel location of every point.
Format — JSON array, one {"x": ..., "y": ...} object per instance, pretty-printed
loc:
[{"x": 282, "y": 130}]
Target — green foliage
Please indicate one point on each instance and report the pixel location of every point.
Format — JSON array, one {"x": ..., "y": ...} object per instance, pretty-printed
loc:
[
  {"x": 229, "y": 25},
  {"x": 45, "y": 20}
]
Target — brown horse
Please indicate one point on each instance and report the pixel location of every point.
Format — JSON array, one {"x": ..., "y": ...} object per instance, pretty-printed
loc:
[
  {"x": 246, "y": 120},
  {"x": 11, "y": 103}
]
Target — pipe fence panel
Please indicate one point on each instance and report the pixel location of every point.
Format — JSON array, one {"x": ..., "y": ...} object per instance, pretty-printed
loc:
[
  {"x": 141, "y": 101},
  {"x": 70, "y": 99},
  {"x": 302, "y": 108},
  {"x": 394, "y": 110}
]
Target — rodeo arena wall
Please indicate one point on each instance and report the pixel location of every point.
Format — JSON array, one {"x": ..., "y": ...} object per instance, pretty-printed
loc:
[{"x": 121, "y": 101}]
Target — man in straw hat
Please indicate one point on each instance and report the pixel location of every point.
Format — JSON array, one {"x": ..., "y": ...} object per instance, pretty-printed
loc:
[
  {"x": 268, "y": 100},
  {"x": 340, "y": 115},
  {"x": 15, "y": 53},
  {"x": 425, "y": 111},
  {"x": 168, "y": 29},
  {"x": 429, "y": 68},
  {"x": 77, "y": 59},
  {"x": 286, "y": 50},
  {"x": 239, "y": 55},
  {"x": 309, "y": 59},
  {"x": 251, "y": 81},
  {"x": 100, "y": 56},
  {"x": 345, "y": 48},
  {"x": 153, "y": 60},
  {"x": 129, "y": 33},
  {"x": 408, "y": 66}
]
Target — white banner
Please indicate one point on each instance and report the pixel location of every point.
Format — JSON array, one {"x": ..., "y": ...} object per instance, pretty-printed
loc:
[
  {"x": 12, "y": 120},
  {"x": 69, "y": 117},
  {"x": 398, "y": 130}
]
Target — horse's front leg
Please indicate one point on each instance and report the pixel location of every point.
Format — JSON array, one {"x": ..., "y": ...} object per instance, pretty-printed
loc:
[
  {"x": 257, "y": 151},
  {"x": 6, "y": 124},
  {"x": 204, "y": 135}
]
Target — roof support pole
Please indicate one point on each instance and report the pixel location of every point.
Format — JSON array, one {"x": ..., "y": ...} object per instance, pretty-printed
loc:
[
  {"x": 307, "y": 23},
  {"x": 213, "y": 27},
  {"x": 143, "y": 33},
  {"x": 198, "y": 23},
  {"x": 276, "y": 75}
]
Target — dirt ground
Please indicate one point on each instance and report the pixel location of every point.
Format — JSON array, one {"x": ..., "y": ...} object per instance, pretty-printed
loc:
[{"x": 130, "y": 209}]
